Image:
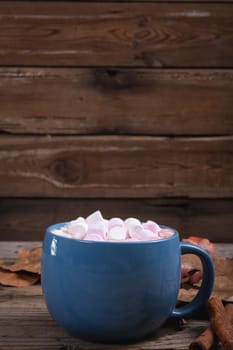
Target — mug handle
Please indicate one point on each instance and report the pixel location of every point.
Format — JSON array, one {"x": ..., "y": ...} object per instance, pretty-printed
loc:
[{"x": 207, "y": 280}]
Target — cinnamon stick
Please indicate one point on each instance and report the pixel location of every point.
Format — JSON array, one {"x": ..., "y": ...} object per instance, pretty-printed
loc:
[
  {"x": 221, "y": 320},
  {"x": 204, "y": 341},
  {"x": 229, "y": 311}
]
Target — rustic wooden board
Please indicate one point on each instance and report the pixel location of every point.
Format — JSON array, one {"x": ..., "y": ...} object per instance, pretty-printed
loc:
[
  {"x": 26, "y": 219},
  {"x": 116, "y": 34},
  {"x": 120, "y": 101},
  {"x": 9, "y": 251},
  {"x": 26, "y": 324},
  {"x": 116, "y": 167}
]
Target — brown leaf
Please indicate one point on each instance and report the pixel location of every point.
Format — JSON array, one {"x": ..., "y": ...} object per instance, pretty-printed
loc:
[
  {"x": 27, "y": 260},
  {"x": 187, "y": 295},
  {"x": 223, "y": 284},
  {"x": 190, "y": 262},
  {"x": 204, "y": 243},
  {"x": 19, "y": 279}
]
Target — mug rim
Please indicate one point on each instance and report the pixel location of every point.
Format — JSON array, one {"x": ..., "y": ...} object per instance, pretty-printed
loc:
[{"x": 87, "y": 241}]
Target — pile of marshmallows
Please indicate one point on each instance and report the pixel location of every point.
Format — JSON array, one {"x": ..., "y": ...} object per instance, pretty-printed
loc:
[{"x": 96, "y": 228}]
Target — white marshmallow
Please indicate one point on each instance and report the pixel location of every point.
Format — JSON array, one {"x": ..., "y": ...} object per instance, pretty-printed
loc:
[
  {"x": 93, "y": 237},
  {"x": 117, "y": 233},
  {"x": 146, "y": 235},
  {"x": 133, "y": 226},
  {"x": 94, "y": 217},
  {"x": 115, "y": 222},
  {"x": 77, "y": 228},
  {"x": 99, "y": 228},
  {"x": 152, "y": 226},
  {"x": 61, "y": 233},
  {"x": 80, "y": 219}
]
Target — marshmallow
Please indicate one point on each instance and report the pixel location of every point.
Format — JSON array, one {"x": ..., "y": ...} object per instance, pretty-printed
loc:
[
  {"x": 146, "y": 235},
  {"x": 93, "y": 237},
  {"x": 100, "y": 228},
  {"x": 152, "y": 226},
  {"x": 77, "y": 228},
  {"x": 80, "y": 219},
  {"x": 115, "y": 222},
  {"x": 96, "y": 228},
  {"x": 94, "y": 217},
  {"x": 165, "y": 233},
  {"x": 61, "y": 233},
  {"x": 133, "y": 226},
  {"x": 117, "y": 233}
]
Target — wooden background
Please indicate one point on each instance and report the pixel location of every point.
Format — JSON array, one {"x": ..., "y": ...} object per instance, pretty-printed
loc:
[{"x": 121, "y": 106}]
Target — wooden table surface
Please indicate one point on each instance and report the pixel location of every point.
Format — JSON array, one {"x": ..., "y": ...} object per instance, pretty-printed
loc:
[{"x": 26, "y": 324}]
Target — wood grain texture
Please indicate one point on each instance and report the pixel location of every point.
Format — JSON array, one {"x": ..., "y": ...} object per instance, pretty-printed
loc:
[
  {"x": 26, "y": 219},
  {"x": 26, "y": 324},
  {"x": 116, "y": 166},
  {"x": 119, "y": 101},
  {"x": 9, "y": 251},
  {"x": 116, "y": 34}
]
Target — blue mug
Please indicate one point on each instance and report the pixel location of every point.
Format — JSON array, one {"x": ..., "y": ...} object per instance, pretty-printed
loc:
[{"x": 117, "y": 292}]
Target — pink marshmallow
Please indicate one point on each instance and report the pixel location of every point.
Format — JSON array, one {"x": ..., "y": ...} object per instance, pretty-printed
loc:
[
  {"x": 93, "y": 237},
  {"x": 146, "y": 235},
  {"x": 165, "y": 233},
  {"x": 117, "y": 233},
  {"x": 115, "y": 222},
  {"x": 99, "y": 228},
  {"x": 77, "y": 228},
  {"x": 152, "y": 226},
  {"x": 94, "y": 217},
  {"x": 61, "y": 233},
  {"x": 133, "y": 226},
  {"x": 80, "y": 219}
]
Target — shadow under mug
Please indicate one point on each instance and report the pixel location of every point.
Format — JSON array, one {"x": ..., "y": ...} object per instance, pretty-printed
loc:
[{"x": 117, "y": 292}]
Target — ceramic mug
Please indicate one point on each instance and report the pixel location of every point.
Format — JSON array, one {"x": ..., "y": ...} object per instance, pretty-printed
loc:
[{"x": 117, "y": 291}]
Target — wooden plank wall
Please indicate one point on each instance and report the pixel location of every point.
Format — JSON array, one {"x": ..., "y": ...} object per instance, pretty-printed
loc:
[{"x": 121, "y": 106}]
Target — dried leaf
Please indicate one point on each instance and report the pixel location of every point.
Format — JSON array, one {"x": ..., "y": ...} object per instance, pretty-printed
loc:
[
  {"x": 203, "y": 243},
  {"x": 19, "y": 279},
  {"x": 27, "y": 260},
  {"x": 191, "y": 261},
  {"x": 187, "y": 295},
  {"x": 223, "y": 285}
]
